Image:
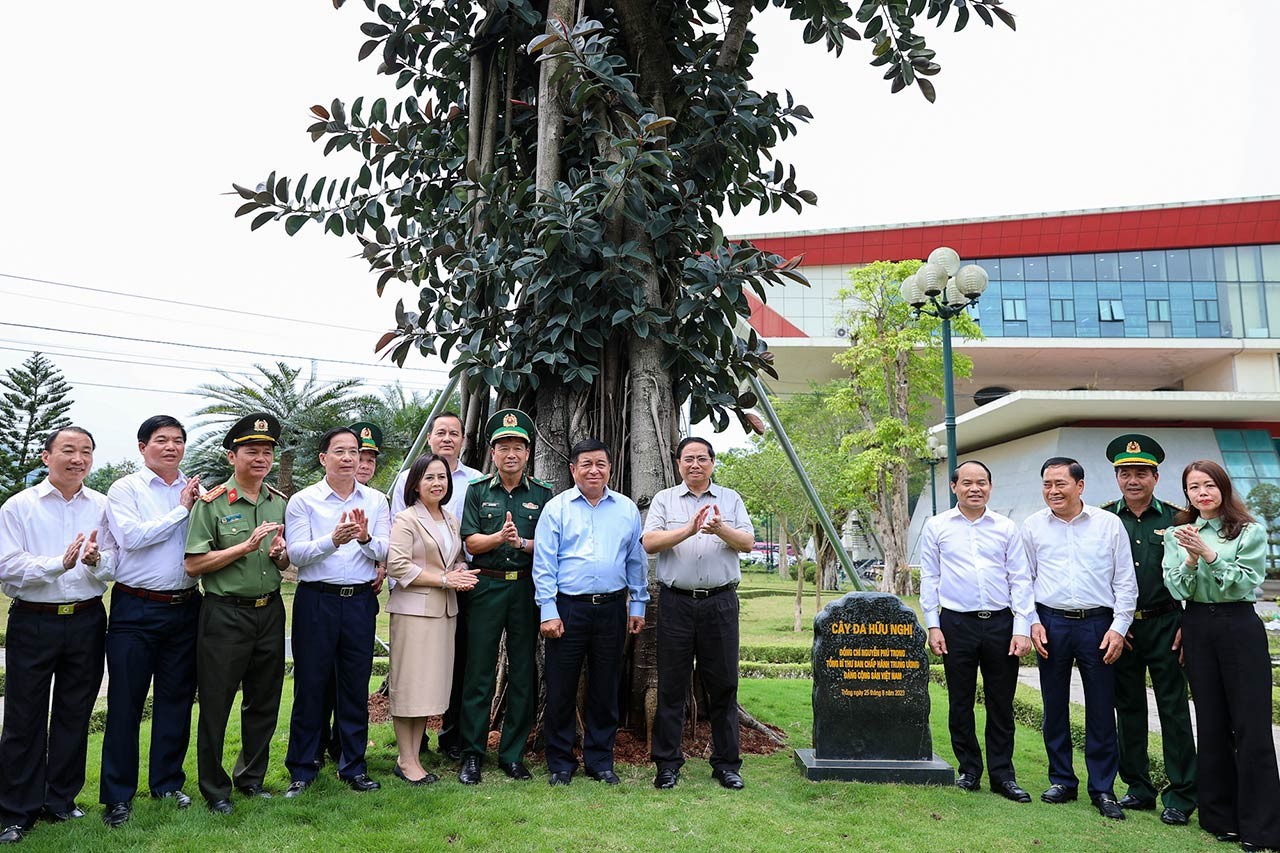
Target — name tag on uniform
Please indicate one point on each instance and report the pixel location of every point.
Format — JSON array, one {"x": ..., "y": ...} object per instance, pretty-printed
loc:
[
  {"x": 486, "y": 503},
  {"x": 1160, "y": 532},
  {"x": 231, "y": 518}
]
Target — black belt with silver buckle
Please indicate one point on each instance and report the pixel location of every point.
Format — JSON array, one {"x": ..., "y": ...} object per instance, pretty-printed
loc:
[
  {"x": 980, "y": 614},
  {"x": 597, "y": 597},
  {"x": 1153, "y": 612},
  {"x": 176, "y": 596},
  {"x": 59, "y": 609},
  {"x": 260, "y": 601},
  {"x": 336, "y": 589},
  {"x": 702, "y": 593},
  {"x": 1080, "y": 614}
]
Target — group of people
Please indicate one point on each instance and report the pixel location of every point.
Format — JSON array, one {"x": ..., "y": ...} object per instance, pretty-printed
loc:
[
  {"x": 1117, "y": 592},
  {"x": 196, "y": 613}
]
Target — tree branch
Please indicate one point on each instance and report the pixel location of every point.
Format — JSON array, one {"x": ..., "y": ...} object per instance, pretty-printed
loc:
[{"x": 734, "y": 34}]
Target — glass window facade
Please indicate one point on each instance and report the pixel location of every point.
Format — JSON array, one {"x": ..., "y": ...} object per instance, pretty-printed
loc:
[{"x": 1250, "y": 458}]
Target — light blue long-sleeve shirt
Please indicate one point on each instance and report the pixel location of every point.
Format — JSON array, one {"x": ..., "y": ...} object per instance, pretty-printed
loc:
[{"x": 580, "y": 549}]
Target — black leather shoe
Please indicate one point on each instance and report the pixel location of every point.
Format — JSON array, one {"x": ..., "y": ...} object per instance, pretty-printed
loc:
[
  {"x": 1227, "y": 837},
  {"x": 1173, "y": 817},
  {"x": 516, "y": 770},
  {"x": 563, "y": 777},
  {"x": 221, "y": 806},
  {"x": 361, "y": 784},
  {"x": 469, "y": 773},
  {"x": 11, "y": 834},
  {"x": 1056, "y": 794},
  {"x": 254, "y": 791},
  {"x": 429, "y": 779},
  {"x": 61, "y": 817},
  {"x": 606, "y": 776},
  {"x": 1108, "y": 807},
  {"x": 1249, "y": 846},
  {"x": 117, "y": 814},
  {"x": 967, "y": 782},
  {"x": 180, "y": 799},
  {"x": 296, "y": 789},
  {"x": 453, "y": 753},
  {"x": 728, "y": 779},
  {"x": 666, "y": 779},
  {"x": 1010, "y": 791},
  {"x": 1131, "y": 803}
]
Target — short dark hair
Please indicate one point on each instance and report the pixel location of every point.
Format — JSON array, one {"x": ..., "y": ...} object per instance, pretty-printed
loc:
[
  {"x": 53, "y": 436},
  {"x": 589, "y": 445},
  {"x": 158, "y": 422},
  {"x": 693, "y": 439},
  {"x": 416, "y": 472},
  {"x": 431, "y": 424},
  {"x": 330, "y": 435},
  {"x": 955, "y": 475},
  {"x": 1073, "y": 467}
]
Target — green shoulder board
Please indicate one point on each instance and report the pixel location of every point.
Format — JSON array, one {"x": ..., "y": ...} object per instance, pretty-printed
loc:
[
  {"x": 479, "y": 479},
  {"x": 542, "y": 483}
]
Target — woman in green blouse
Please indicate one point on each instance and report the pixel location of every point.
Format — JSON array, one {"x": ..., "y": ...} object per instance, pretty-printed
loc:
[{"x": 1214, "y": 559}]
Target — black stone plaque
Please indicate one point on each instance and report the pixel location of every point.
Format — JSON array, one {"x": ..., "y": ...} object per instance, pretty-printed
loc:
[{"x": 871, "y": 695}]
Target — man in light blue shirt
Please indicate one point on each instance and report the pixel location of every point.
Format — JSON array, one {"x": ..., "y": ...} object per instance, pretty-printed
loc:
[{"x": 587, "y": 564}]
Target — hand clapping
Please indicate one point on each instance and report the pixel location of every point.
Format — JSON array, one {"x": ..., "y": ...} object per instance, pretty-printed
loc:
[
  {"x": 1188, "y": 536},
  {"x": 348, "y": 528},
  {"x": 714, "y": 521}
]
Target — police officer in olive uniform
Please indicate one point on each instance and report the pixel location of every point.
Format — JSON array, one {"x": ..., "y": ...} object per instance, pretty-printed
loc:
[
  {"x": 236, "y": 545},
  {"x": 1152, "y": 643},
  {"x": 498, "y": 521}
]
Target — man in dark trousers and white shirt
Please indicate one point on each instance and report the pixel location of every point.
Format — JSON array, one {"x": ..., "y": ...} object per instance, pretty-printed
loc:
[
  {"x": 975, "y": 591},
  {"x": 1085, "y": 590},
  {"x": 697, "y": 529}
]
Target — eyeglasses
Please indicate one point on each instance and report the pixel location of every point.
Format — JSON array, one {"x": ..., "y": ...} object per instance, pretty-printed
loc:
[
  {"x": 701, "y": 460},
  {"x": 343, "y": 453}
]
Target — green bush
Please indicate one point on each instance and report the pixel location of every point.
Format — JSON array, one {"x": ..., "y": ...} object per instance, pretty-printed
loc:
[
  {"x": 776, "y": 654},
  {"x": 1, "y": 683},
  {"x": 744, "y": 594},
  {"x": 381, "y": 666},
  {"x": 756, "y": 669},
  {"x": 1275, "y": 676},
  {"x": 98, "y": 719},
  {"x": 1, "y": 639}
]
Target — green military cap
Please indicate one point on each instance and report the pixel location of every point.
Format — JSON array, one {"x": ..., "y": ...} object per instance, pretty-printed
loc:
[
  {"x": 370, "y": 435},
  {"x": 1135, "y": 449},
  {"x": 259, "y": 426},
  {"x": 508, "y": 423}
]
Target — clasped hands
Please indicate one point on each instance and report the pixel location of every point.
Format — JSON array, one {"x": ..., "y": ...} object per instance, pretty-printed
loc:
[{"x": 1188, "y": 536}]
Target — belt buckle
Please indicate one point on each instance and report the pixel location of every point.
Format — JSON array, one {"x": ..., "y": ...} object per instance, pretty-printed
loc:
[
  {"x": 346, "y": 591},
  {"x": 261, "y": 602},
  {"x": 984, "y": 614},
  {"x": 66, "y": 609},
  {"x": 178, "y": 598},
  {"x": 598, "y": 598},
  {"x": 1137, "y": 616},
  {"x": 511, "y": 576},
  {"x": 699, "y": 593},
  {"x": 1073, "y": 614}
]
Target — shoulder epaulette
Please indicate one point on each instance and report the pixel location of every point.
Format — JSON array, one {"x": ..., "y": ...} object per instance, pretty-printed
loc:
[
  {"x": 273, "y": 490},
  {"x": 213, "y": 494},
  {"x": 1111, "y": 504},
  {"x": 479, "y": 479},
  {"x": 542, "y": 483},
  {"x": 1176, "y": 507}
]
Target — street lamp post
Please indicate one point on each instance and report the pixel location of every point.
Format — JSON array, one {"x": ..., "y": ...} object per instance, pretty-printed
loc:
[
  {"x": 935, "y": 455},
  {"x": 943, "y": 288}
]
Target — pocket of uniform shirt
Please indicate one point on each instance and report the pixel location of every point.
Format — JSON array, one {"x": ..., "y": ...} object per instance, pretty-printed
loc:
[{"x": 234, "y": 532}]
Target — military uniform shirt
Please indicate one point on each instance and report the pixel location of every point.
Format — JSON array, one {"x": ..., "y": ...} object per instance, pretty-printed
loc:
[
  {"x": 1146, "y": 540},
  {"x": 1233, "y": 576},
  {"x": 226, "y": 520},
  {"x": 487, "y": 505}
]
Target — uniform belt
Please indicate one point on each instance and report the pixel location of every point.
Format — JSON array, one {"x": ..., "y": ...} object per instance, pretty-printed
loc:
[
  {"x": 260, "y": 601},
  {"x": 1153, "y": 612},
  {"x": 979, "y": 614},
  {"x": 336, "y": 589},
  {"x": 597, "y": 597},
  {"x": 176, "y": 596},
  {"x": 60, "y": 609},
  {"x": 506, "y": 576},
  {"x": 1080, "y": 614},
  {"x": 702, "y": 593}
]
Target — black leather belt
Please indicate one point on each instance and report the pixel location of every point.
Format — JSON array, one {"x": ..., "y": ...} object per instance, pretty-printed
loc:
[
  {"x": 337, "y": 589},
  {"x": 702, "y": 593},
  {"x": 597, "y": 597},
  {"x": 1153, "y": 612},
  {"x": 1080, "y": 614},
  {"x": 260, "y": 601},
  {"x": 175, "y": 596},
  {"x": 514, "y": 575},
  {"x": 980, "y": 614},
  {"x": 59, "y": 609}
]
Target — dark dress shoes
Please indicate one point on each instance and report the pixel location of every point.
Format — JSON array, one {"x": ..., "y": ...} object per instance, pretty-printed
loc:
[
  {"x": 516, "y": 770},
  {"x": 361, "y": 784},
  {"x": 453, "y": 753},
  {"x": 117, "y": 814},
  {"x": 1056, "y": 794},
  {"x": 666, "y": 779},
  {"x": 254, "y": 791},
  {"x": 429, "y": 779},
  {"x": 221, "y": 806},
  {"x": 1227, "y": 837},
  {"x": 606, "y": 776},
  {"x": 967, "y": 782},
  {"x": 729, "y": 779},
  {"x": 562, "y": 777},
  {"x": 180, "y": 799},
  {"x": 1108, "y": 807},
  {"x": 1173, "y": 817},
  {"x": 469, "y": 773},
  {"x": 62, "y": 817},
  {"x": 296, "y": 789},
  {"x": 11, "y": 834},
  {"x": 1010, "y": 791},
  {"x": 1134, "y": 804}
]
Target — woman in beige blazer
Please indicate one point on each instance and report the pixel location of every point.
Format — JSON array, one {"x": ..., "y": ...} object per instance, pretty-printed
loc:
[{"x": 424, "y": 560}]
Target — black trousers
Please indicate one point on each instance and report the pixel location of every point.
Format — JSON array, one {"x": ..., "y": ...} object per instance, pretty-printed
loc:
[
  {"x": 1225, "y": 649},
  {"x": 973, "y": 645},
  {"x": 450, "y": 728},
  {"x": 331, "y": 634},
  {"x": 593, "y": 634},
  {"x": 329, "y": 728},
  {"x": 148, "y": 640},
  {"x": 237, "y": 647},
  {"x": 705, "y": 630},
  {"x": 43, "y": 746}
]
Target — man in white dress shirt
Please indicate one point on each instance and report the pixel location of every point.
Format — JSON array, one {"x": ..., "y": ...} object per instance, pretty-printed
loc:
[
  {"x": 52, "y": 566},
  {"x": 975, "y": 591},
  {"x": 155, "y": 609},
  {"x": 1085, "y": 590},
  {"x": 337, "y": 533}
]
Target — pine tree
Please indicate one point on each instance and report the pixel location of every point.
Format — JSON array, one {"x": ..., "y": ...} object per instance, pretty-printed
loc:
[{"x": 35, "y": 404}]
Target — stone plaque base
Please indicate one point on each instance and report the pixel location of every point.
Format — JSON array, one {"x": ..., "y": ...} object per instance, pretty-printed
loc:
[{"x": 935, "y": 772}]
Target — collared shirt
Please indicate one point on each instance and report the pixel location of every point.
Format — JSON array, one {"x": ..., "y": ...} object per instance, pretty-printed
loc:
[
  {"x": 1233, "y": 576},
  {"x": 462, "y": 475},
  {"x": 579, "y": 549},
  {"x": 975, "y": 565},
  {"x": 1082, "y": 563},
  {"x": 313, "y": 514},
  {"x": 1146, "y": 539},
  {"x": 229, "y": 518},
  {"x": 36, "y": 526},
  {"x": 487, "y": 505},
  {"x": 149, "y": 529},
  {"x": 704, "y": 560}
]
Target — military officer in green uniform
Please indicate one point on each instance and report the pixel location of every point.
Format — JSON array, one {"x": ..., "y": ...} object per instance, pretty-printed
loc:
[
  {"x": 1153, "y": 642},
  {"x": 498, "y": 520},
  {"x": 236, "y": 546}
]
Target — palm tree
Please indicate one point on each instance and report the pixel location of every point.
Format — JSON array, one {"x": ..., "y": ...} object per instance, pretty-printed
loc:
[{"x": 401, "y": 415}]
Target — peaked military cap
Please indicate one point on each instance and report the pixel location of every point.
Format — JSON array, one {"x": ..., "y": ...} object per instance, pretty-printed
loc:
[
  {"x": 370, "y": 435},
  {"x": 1135, "y": 449},
  {"x": 509, "y": 423},
  {"x": 258, "y": 426}
]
